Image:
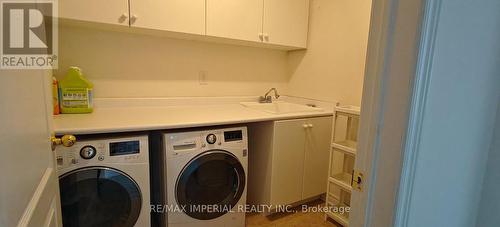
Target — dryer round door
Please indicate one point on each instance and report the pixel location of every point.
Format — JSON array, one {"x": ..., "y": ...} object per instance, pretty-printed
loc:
[
  {"x": 99, "y": 196},
  {"x": 210, "y": 185}
]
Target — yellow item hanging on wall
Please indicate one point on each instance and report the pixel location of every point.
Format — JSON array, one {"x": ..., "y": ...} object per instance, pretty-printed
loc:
[{"x": 75, "y": 93}]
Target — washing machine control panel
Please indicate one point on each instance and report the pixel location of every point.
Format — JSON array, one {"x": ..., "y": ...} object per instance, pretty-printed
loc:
[
  {"x": 211, "y": 138},
  {"x": 103, "y": 151},
  {"x": 179, "y": 144},
  {"x": 88, "y": 152}
]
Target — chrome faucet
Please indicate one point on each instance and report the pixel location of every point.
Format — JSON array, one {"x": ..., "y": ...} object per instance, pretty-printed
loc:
[{"x": 267, "y": 98}]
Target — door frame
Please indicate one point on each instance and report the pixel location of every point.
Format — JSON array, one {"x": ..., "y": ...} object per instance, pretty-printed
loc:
[{"x": 397, "y": 74}]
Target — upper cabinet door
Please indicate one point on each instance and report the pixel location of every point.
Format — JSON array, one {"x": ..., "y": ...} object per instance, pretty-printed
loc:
[
  {"x": 241, "y": 19},
  {"x": 286, "y": 22},
  {"x": 109, "y": 11},
  {"x": 186, "y": 16}
]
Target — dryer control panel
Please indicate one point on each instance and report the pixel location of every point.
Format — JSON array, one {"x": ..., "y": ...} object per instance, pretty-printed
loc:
[
  {"x": 101, "y": 151},
  {"x": 187, "y": 142}
]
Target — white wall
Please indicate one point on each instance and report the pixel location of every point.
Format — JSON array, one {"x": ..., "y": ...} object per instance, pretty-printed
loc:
[
  {"x": 459, "y": 116},
  {"x": 136, "y": 65},
  {"x": 124, "y": 64},
  {"x": 332, "y": 68}
]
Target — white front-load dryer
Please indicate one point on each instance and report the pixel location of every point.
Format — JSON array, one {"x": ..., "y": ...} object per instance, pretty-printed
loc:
[
  {"x": 105, "y": 182},
  {"x": 206, "y": 177}
]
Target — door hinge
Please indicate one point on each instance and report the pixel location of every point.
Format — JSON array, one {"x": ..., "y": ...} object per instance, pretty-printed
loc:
[{"x": 358, "y": 180}]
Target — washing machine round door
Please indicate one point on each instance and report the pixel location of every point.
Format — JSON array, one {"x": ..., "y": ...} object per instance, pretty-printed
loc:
[
  {"x": 99, "y": 196},
  {"x": 210, "y": 185}
]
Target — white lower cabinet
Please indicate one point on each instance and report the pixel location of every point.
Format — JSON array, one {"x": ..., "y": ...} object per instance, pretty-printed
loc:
[
  {"x": 288, "y": 160},
  {"x": 316, "y": 155}
]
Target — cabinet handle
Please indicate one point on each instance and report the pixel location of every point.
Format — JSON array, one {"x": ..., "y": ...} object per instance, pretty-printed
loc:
[
  {"x": 261, "y": 36},
  {"x": 266, "y": 37},
  {"x": 307, "y": 125},
  {"x": 133, "y": 18},
  {"x": 123, "y": 17}
]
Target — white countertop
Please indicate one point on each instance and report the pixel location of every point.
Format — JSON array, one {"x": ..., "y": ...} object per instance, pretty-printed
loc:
[{"x": 126, "y": 115}]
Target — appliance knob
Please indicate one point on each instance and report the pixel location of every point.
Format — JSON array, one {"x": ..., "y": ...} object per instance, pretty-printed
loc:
[
  {"x": 88, "y": 152},
  {"x": 211, "y": 139}
]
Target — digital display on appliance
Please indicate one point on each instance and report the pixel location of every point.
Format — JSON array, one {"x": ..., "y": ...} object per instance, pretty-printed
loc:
[
  {"x": 233, "y": 135},
  {"x": 124, "y": 148}
]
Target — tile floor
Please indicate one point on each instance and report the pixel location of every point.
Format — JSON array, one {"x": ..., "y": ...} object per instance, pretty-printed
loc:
[{"x": 296, "y": 219}]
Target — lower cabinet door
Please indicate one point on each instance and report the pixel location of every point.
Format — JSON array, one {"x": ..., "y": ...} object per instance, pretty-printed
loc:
[
  {"x": 317, "y": 148},
  {"x": 288, "y": 162}
]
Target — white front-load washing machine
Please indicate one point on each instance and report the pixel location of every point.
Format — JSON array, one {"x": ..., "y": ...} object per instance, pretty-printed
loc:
[
  {"x": 206, "y": 177},
  {"x": 105, "y": 182}
]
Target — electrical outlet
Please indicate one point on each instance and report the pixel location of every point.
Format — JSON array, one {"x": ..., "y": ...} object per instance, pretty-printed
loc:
[{"x": 203, "y": 77}]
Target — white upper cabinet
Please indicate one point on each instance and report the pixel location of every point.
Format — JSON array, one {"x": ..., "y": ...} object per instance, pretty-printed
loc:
[
  {"x": 286, "y": 22},
  {"x": 241, "y": 19},
  {"x": 109, "y": 11},
  {"x": 186, "y": 16},
  {"x": 281, "y": 23}
]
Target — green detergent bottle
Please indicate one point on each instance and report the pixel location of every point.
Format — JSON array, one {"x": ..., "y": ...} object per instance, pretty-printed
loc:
[{"x": 75, "y": 93}]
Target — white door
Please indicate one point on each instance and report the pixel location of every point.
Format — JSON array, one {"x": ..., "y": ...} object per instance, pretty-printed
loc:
[
  {"x": 240, "y": 19},
  {"x": 108, "y": 12},
  {"x": 316, "y": 157},
  {"x": 286, "y": 22},
  {"x": 187, "y": 16},
  {"x": 29, "y": 192},
  {"x": 288, "y": 162}
]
